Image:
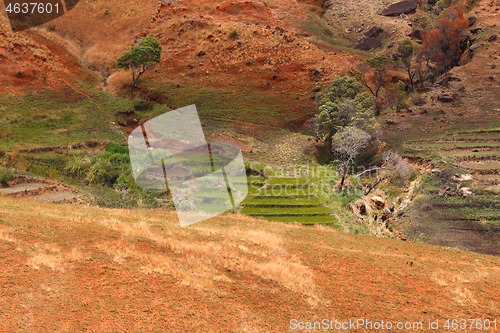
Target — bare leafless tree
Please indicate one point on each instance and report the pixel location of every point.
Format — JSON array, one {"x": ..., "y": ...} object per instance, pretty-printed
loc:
[
  {"x": 393, "y": 167},
  {"x": 347, "y": 143}
]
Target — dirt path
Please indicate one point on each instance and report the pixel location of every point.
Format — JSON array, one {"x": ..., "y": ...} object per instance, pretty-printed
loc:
[{"x": 39, "y": 189}]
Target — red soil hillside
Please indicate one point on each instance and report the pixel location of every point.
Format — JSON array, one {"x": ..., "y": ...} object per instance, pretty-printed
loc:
[
  {"x": 277, "y": 47},
  {"x": 30, "y": 60},
  {"x": 84, "y": 269}
]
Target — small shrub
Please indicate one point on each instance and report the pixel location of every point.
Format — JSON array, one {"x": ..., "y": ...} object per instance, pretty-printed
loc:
[
  {"x": 140, "y": 105},
  {"x": 13, "y": 156},
  {"x": 413, "y": 174},
  {"x": 386, "y": 111},
  {"x": 5, "y": 176},
  {"x": 186, "y": 206},
  {"x": 106, "y": 11},
  {"x": 122, "y": 182},
  {"x": 76, "y": 166},
  {"x": 233, "y": 34},
  {"x": 114, "y": 148}
]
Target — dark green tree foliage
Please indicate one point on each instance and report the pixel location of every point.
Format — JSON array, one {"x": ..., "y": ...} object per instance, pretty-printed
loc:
[
  {"x": 346, "y": 115},
  {"x": 139, "y": 57},
  {"x": 345, "y": 103}
]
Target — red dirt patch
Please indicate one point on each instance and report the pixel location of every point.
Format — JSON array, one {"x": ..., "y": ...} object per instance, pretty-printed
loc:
[{"x": 248, "y": 9}]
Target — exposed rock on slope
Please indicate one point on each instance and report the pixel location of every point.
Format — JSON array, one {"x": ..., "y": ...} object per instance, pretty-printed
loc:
[{"x": 403, "y": 7}]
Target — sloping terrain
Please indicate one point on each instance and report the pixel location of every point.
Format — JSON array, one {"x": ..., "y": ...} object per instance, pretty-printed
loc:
[
  {"x": 460, "y": 206},
  {"x": 476, "y": 86},
  {"x": 237, "y": 60},
  {"x": 77, "y": 268},
  {"x": 39, "y": 189},
  {"x": 460, "y": 139}
]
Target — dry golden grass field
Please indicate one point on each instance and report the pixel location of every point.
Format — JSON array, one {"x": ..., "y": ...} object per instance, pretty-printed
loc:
[{"x": 71, "y": 268}]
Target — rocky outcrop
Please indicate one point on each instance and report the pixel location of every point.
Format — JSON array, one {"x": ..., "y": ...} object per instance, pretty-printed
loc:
[
  {"x": 368, "y": 44},
  {"x": 446, "y": 97},
  {"x": 374, "y": 32},
  {"x": 464, "y": 192},
  {"x": 403, "y": 7},
  {"x": 378, "y": 201},
  {"x": 474, "y": 47}
]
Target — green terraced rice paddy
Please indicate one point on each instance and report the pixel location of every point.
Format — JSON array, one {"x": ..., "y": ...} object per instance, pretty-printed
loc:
[
  {"x": 286, "y": 202},
  {"x": 286, "y": 193},
  {"x": 302, "y": 219},
  {"x": 286, "y": 182},
  {"x": 289, "y": 200}
]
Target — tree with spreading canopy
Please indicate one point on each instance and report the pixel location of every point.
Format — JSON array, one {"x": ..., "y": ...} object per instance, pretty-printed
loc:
[
  {"x": 345, "y": 103},
  {"x": 139, "y": 58}
]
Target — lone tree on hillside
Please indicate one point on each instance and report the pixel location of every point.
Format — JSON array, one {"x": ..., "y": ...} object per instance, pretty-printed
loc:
[
  {"x": 347, "y": 144},
  {"x": 139, "y": 57}
]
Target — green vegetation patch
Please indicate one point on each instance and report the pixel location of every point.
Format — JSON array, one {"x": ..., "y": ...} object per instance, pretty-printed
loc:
[
  {"x": 51, "y": 118},
  {"x": 293, "y": 202},
  {"x": 287, "y": 182},
  {"x": 222, "y": 107},
  {"x": 301, "y": 219}
]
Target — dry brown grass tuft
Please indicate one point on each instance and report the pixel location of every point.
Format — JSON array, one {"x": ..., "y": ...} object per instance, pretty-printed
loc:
[
  {"x": 456, "y": 283},
  {"x": 323, "y": 228},
  {"x": 117, "y": 81},
  {"x": 75, "y": 255},
  {"x": 203, "y": 262},
  {"x": 4, "y": 235},
  {"x": 53, "y": 261}
]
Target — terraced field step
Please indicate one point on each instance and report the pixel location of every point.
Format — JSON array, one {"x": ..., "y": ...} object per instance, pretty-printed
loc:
[
  {"x": 457, "y": 145},
  {"x": 488, "y": 179},
  {"x": 248, "y": 180},
  {"x": 287, "y": 182},
  {"x": 483, "y": 165},
  {"x": 243, "y": 187},
  {"x": 483, "y": 154},
  {"x": 460, "y": 138},
  {"x": 280, "y": 211},
  {"x": 286, "y": 192},
  {"x": 300, "y": 219},
  {"x": 23, "y": 187},
  {"x": 56, "y": 197},
  {"x": 282, "y": 202},
  {"x": 490, "y": 131}
]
